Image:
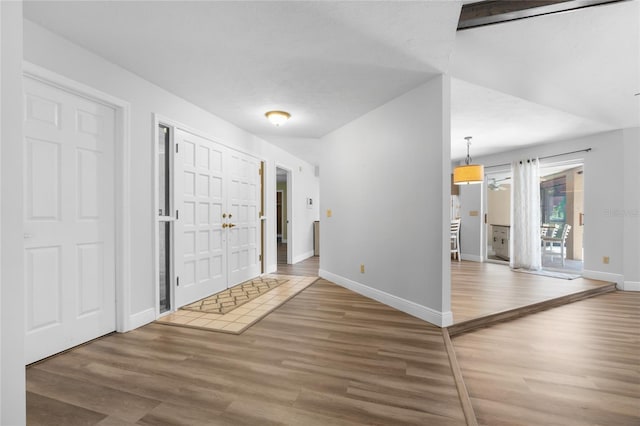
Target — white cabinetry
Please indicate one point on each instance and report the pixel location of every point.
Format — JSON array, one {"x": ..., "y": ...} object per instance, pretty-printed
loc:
[{"x": 501, "y": 241}]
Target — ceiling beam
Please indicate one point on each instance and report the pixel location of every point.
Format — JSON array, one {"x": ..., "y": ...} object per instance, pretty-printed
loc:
[{"x": 491, "y": 12}]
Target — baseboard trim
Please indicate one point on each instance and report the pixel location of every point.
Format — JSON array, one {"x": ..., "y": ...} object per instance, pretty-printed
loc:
[
  {"x": 141, "y": 318},
  {"x": 631, "y": 286},
  {"x": 303, "y": 256},
  {"x": 471, "y": 257},
  {"x": 605, "y": 276},
  {"x": 441, "y": 319}
]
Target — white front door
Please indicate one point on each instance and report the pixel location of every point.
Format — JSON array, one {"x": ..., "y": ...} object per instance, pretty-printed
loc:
[
  {"x": 244, "y": 206},
  {"x": 217, "y": 231},
  {"x": 200, "y": 240},
  {"x": 69, "y": 220}
]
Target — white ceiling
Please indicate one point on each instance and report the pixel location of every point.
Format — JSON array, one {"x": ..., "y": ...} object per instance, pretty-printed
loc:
[
  {"x": 546, "y": 78},
  {"x": 327, "y": 63},
  {"x": 496, "y": 120}
]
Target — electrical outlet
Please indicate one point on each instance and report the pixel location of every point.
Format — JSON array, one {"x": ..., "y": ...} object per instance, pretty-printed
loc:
[
  {"x": 605, "y": 260},
  {"x": 362, "y": 268},
  {"x": 329, "y": 213}
]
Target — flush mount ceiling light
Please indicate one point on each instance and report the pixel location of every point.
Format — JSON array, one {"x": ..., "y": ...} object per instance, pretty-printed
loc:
[
  {"x": 469, "y": 173},
  {"x": 277, "y": 117}
]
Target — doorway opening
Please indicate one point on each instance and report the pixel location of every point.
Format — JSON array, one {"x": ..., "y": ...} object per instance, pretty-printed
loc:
[
  {"x": 562, "y": 216},
  {"x": 209, "y": 221},
  {"x": 283, "y": 215},
  {"x": 498, "y": 217}
]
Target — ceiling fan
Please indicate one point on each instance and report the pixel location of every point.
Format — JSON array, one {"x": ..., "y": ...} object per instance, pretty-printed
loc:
[{"x": 493, "y": 185}]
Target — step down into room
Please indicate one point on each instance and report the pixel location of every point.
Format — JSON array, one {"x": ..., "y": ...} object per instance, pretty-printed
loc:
[{"x": 509, "y": 314}]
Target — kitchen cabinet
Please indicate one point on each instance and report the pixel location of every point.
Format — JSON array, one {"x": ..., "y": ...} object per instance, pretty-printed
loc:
[{"x": 500, "y": 240}]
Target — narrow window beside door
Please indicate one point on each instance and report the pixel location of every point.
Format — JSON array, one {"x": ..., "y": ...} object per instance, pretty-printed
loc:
[{"x": 164, "y": 223}]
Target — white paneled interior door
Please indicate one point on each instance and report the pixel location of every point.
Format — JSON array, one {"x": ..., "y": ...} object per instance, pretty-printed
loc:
[
  {"x": 217, "y": 239},
  {"x": 69, "y": 219}
]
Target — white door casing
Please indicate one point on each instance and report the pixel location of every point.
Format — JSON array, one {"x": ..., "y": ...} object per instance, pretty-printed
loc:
[
  {"x": 69, "y": 244},
  {"x": 217, "y": 233}
]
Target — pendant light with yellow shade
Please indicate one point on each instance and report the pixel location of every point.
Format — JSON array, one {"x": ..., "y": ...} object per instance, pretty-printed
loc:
[{"x": 468, "y": 173}]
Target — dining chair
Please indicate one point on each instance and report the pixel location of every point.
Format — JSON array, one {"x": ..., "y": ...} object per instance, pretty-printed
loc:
[
  {"x": 551, "y": 240},
  {"x": 455, "y": 238}
]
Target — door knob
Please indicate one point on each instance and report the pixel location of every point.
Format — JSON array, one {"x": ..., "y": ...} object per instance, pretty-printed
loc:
[
  {"x": 224, "y": 225},
  {"x": 231, "y": 225},
  {"x": 224, "y": 215}
]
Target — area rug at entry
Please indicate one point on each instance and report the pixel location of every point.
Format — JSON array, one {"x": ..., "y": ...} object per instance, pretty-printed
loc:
[{"x": 231, "y": 298}]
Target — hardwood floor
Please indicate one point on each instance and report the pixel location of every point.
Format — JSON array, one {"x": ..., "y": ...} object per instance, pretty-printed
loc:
[
  {"x": 282, "y": 253},
  {"x": 577, "y": 364},
  {"x": 326, "y": 357},
  {"x": 306, "y": 268},
  {"x": 329, "y": 356},
  {"x": 480, "y": 289}
]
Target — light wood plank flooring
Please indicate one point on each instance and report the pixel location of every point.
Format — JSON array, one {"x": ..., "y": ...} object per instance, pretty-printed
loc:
[
  {"x": 578, "y": 364},
  {"x": 332, "y": 357},
  {"x": 326, "y": 357},
  {"x": 307, "y": 268},
  {"x": 480, "y": 289}
]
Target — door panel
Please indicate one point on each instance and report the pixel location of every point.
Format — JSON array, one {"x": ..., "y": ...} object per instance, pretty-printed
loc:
[
  {"x": 69, "y": 219},
  {"x": 244, "y": 205},
  {"x": 200, "y": 257},
  {"x": 218, "y": 231}
]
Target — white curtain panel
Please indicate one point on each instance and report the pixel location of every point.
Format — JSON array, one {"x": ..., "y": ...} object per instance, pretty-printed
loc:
[{"x": 525, "y": 247}]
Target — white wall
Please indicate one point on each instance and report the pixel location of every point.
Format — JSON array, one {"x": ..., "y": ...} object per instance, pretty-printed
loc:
[
  {"x": 304, "y": 185},
  {"x": 631, "y": 209},
  {"x": 386, "y": 179},
  {"x": 12, "y": 373},
  {"x": 471, "y": 231},
  {"x": 54, "y": 53},
  {"x": 611, "y": 198}
]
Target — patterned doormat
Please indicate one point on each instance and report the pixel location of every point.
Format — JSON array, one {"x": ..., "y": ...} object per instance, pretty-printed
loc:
[{"x": 231, "y": 298}]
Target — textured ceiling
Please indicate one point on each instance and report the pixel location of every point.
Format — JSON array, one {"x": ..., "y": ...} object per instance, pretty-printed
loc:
[
  {"x": 328, "y": 62},
  {"x": 547, "y": 78}
]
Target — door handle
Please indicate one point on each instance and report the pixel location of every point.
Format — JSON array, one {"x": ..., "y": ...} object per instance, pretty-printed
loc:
[
  {"x": 231, "y": 225},
  {"x": 225, "y": 225}
]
